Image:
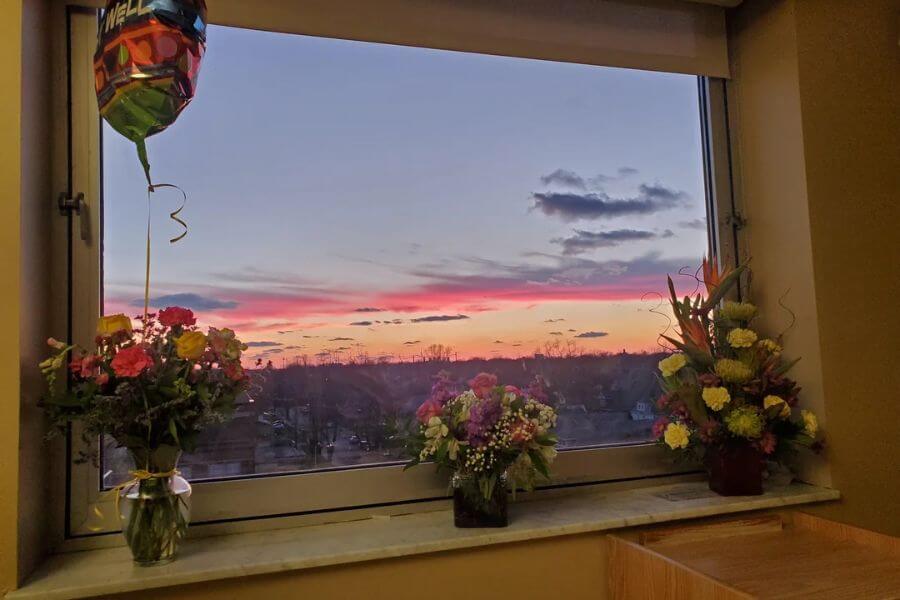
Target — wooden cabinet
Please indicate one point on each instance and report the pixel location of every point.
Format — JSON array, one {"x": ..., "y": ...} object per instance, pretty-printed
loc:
[{"x": 791, "y": 555}]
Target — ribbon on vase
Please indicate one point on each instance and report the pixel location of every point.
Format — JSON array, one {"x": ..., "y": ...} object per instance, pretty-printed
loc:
[{"x": 137, "y": 476}]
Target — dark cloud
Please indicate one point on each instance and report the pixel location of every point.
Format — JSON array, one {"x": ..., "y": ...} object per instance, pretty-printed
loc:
[
  {"x": 438, "y": 318},
  {"x": 361, "y": 323},
  {"x": 592, "y": 334},
  {"x": 600, "y": 205},
  {"x": 412, "y": 343},
  {"x": 554, "y": 320},
  {"x": 556, "y": 333},
  {"x": 368, "y": 309},
  {"x": 585, "y": 241},
  {"x": 694, "y": 224},
  {"x": 627, "y": 171},
  {"x": 499, "y": 342},
  {"x": 572, "y": 330},
  {"x": 263, "y": 344},
  {"x": 192, "y": 301},
  {"x": 341, "y": 339},
  {"x": 565, "y": 178}
]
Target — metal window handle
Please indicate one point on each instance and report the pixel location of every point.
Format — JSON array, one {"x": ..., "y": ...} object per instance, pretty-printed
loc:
[{"x": 78, "y": 206}]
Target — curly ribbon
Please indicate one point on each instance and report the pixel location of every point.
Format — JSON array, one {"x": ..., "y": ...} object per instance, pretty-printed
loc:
[
  {"x": 151, "y": 188},
  {"x": 137, "y": 477}
]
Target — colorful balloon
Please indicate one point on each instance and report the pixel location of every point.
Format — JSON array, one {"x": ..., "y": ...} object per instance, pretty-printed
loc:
[{"x": 146, "y": 65}]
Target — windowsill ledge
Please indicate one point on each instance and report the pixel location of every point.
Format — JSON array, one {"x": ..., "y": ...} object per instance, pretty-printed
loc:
[{"x": 110, "y": 571}]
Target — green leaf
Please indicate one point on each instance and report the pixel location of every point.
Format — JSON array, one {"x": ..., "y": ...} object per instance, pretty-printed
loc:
[
  {"x": 173, "y": 429},
  {"x": 784, "y": 368}
]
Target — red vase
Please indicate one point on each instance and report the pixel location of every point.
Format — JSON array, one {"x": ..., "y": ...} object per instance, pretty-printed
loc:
[{"x": 735, "y": 469}]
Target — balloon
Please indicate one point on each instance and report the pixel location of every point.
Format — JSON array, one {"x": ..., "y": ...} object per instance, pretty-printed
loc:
[{"x": 146, "y": 65}]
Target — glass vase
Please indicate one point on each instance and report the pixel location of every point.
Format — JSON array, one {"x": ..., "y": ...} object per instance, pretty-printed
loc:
[
  {"x": 735, "y": 469},
  {"x": 477, "y": 503},
  {"x": 155, "y": 511}
]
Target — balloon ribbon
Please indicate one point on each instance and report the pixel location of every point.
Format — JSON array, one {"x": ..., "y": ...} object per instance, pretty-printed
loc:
[{"x": 151, "y": 188}]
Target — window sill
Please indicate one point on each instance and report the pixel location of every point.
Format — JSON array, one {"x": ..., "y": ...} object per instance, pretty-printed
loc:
[{"x": 110, "y": 571}]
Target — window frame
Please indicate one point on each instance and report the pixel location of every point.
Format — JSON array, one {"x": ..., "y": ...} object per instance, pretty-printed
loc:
[{"x": 89, "y": 512}]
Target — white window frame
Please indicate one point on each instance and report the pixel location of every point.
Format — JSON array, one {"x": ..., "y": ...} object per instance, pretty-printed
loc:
[{"x": 90, "y": 512}]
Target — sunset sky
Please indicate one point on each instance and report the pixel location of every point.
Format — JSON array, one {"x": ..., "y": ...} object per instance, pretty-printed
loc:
[{"x": 351, "y": 197}]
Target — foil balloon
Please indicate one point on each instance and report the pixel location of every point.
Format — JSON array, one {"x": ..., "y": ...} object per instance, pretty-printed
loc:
[{"x": 146, "y": 65}]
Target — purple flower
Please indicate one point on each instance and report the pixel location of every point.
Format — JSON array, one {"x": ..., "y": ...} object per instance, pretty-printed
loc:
[
  {"x": 443, "y": 388},
  {"x": 482, "y": 417}
]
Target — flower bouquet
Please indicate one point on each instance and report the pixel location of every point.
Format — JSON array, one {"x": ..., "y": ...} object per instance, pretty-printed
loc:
[
  {"x": 727, "y": 400},
  {"x": 488, "y": 437},
  {"x": 152, "y": 390}
]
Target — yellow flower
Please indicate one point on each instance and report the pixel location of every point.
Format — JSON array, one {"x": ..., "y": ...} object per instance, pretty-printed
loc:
[
  {"x": 741, "y": 338},
  {"x": 810, "y": 423},
  {"x": 733, "y": 371},
  {"x": 111, "y": 324},
  {"x": 671, "y": 365},
  {"x": 744, "y": 422},
  {"x": 737, "y": 311},
  {"x": 677, "y": 435},
  {"x": 190, "y": 345},
  {"x": 716, "y": 397},
  {"x": 770, "y": 401},
  {"x": 771, "y": 346}
]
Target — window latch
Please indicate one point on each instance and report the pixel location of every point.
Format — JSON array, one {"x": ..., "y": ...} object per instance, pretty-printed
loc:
[
  {"x": 69, "y": 206},
  {"x": 736, "y": 220}
]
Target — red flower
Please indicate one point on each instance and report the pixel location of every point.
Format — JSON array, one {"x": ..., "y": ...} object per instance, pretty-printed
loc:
[
  {"x": 767, "y": 442},
  {"x": 131, "y": 361},
  {"x": 430, "y": 408},
  {"x": 659, "y": 427},
  {"x": 483, "y": 384},
  {"x": 234, "y": 371},
  {"x": 175, "y": 315},
  {"x": 663, "y": 402}
]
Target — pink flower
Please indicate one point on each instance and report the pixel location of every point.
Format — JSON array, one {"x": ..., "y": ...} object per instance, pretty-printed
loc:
[
  {"x": 102, "y": 378},
  {"x": 767, "y": 442},
  {"x": 483, "y": 384},
  {"x": 659, "y": 427},
  {"x": 175, "y": 315},
  {"x": 84, "y": 366},
  {"x": 511, "y": 389},
  {"x": 131, "y": 361},
  {"x": 537, "y": 389},
  {"x": 708, "y": 431},
  {"x": 55, "y": 343},
  {"x": 429, "y": 408}
]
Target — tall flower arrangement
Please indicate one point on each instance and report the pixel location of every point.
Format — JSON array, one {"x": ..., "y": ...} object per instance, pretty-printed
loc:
[
  {"x": 488, "y": 437},
  {"x": 726, "y": 392},
  {"x": 152, "y": 390}
]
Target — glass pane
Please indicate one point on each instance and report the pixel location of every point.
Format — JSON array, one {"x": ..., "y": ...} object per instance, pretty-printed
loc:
[{"x": 367, "y": 216}]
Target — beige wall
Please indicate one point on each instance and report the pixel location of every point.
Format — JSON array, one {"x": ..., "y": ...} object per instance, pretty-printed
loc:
[{"x": 816, "y": 95}]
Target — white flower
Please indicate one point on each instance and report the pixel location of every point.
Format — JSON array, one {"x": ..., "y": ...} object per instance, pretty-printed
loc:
[{"x": 810, "y": 423}]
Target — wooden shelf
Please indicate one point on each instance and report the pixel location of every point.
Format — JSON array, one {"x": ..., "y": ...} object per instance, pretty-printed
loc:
[{"x": 792, "y": 555}]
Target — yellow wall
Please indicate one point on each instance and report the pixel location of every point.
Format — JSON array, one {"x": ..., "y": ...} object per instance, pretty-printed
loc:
[
  {"x": 572, "y": 567},
  {"x": 849, "y": 61},
  {"x": 815, "y": 96},
  {"x": 10, "y": 161}
]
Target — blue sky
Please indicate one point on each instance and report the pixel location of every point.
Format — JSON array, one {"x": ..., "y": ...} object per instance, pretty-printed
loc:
[{"x": 326, "y": 176}]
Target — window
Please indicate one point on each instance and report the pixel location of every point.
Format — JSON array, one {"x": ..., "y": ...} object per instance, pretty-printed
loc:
[{"x": 369, "y": 216}]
